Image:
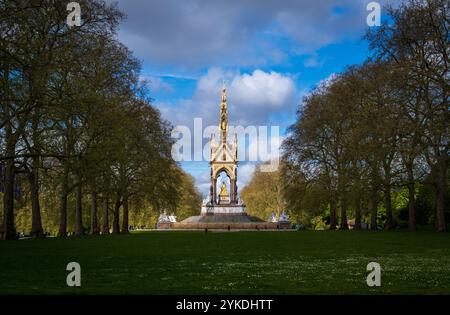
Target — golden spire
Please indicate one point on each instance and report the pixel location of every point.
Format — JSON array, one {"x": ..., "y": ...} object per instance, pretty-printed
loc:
[
  {"x": 224, "y": 96},
  {"x": 223, "y": 114}
]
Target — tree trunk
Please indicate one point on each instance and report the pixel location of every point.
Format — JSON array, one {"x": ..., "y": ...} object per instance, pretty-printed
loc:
[
  {"x": 389, "y": 225},
  {"x": 33, "y": 178},
  {"x": 94, "y": 223},
  {"x": 105, "y": 225},
  {"x": 79, "y": 229},
  {"x": 36, "y": 221},
  {"x": 344, "y": 223},
  {"x": 9, "y": 230},
  {"x": 373, "y": 211},
  {"x": 412, "y": 225},
  {"x": 441, "y": 191},
  {"x": 63, "y": 206},
  {"x": 358, "y": 213},
  {"x": 388, "y": 204},
  {"x": 116, "y": 226},
  {"x": 125, "y": 217},
  {"x": 333, "y": 212}
]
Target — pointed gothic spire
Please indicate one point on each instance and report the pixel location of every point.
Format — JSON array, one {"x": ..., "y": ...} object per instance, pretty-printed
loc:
[
  {"x": 223, "y": 114},
  {"x": 224, "y": 96}
]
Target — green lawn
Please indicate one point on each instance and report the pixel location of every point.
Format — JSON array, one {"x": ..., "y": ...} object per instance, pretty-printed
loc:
[{"x": 305, "y": 262}]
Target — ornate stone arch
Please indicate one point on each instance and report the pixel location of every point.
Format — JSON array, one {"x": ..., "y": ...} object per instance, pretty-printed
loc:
[{"x": 230, "y": 170}]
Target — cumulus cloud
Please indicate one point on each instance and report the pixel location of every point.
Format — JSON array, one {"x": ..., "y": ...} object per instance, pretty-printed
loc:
[
  {"x": 156, "y": 84},
  {"x": 245, "y": 173},
  {"x": 201, "y": 33},
  {"x": 252, "y": 98},
  {"x": 271, "y": 89},
  {"x": 183, "y": 38},
  {"x": 203, "y": 182}
]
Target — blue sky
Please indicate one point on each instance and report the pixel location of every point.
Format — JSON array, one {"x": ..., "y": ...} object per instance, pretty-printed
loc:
[{"x": 270, "y": 53}]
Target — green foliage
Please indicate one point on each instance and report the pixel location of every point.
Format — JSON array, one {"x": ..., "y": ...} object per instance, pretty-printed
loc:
[
  {"x": 75, "y": 115},
  {"x": 318, "y": 223},
  {"x": 367, "y": 132},
  {"x": 263, "y": 195}
]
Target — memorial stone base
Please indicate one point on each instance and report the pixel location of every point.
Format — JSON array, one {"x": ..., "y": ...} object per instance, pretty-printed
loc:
[{"x": 224, "y": 217}]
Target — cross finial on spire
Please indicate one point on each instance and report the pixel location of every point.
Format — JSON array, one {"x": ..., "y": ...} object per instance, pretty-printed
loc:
[
  {"x": 223, "y": 114},
  {"x": 224, "y": 95}
]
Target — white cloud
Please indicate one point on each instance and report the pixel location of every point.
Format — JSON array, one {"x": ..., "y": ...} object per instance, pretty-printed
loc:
[
  {"x": 203, "y": 182},
  {"x": 252, "y": 98},
  {"x": 195, "y": 34},
  {"x": 245, "y": 173},
  {"x": 157, "y": 84},
  {"x": 271, "y": 90}
]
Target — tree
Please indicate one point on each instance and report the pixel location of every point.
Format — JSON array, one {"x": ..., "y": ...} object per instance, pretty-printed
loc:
[
  {"x": 75, "y": 117},
  {"x": 263, "y": 195},
  {"x": 417, "y": 42},
  {"x": 31, "y": 40}
]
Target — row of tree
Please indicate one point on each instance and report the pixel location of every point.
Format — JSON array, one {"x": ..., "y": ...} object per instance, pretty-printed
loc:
[
  {"x": 378, "y": 127},
  {"x": 75, "y": 120}
]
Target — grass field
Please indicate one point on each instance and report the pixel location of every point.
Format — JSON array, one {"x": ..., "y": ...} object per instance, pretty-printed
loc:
[{"x": 305, "y": 262}]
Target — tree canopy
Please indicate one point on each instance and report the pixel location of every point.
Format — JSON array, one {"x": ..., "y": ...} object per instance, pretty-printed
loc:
[
  {"x": 78, "y": 127},
  {"x": 380, "y": 128}
]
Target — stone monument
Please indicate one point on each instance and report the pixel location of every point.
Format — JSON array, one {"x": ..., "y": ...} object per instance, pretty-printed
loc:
[{"x": 223, "y": 208}]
